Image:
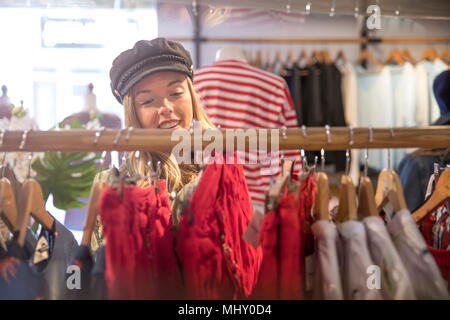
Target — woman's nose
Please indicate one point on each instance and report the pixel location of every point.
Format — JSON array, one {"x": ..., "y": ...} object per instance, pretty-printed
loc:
[{"x": 166, "y": 108}]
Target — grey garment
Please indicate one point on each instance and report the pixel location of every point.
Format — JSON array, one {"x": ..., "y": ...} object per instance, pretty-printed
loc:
[
  {"x": 327, "y": 279},
  {"x": 98, "y": 289},
  {"x": 420, "y": 264},
  {"x": 395, "y": 281},
  {"x": 356, "y": 263},
  {"x": 54, "y": 272}
]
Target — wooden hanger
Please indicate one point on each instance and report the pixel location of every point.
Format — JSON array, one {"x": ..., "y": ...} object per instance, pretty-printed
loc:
[
  {"x": 33, "y": 204},
  {"x": 440, "y": 194},
  {"x": 445, "y": 56},
  {"x": 366, "y": 203},
  {"x": 303, "y": 57},
  {"x": 258, "y": 59},
  {"x": 96, "y": 190},
  {"x": 394, "y": 57},
  {"x": 365, "y": 55},
  {"x": 317, "y": 56},
  {"x": 326, "y": 56},
  {"x": 321, "y": 211},
  {"x": 8, "y": 204},
  {"x": 389, "y": 189},
  {"x": 347, "y": 201},
  {"x": 408, "y": 56},
  {"x": 429, "y": 54},
  {"x": 340, "y": 56}
]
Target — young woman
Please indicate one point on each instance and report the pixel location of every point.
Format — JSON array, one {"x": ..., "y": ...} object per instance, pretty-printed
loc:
[{"x": 153, "y": 82}]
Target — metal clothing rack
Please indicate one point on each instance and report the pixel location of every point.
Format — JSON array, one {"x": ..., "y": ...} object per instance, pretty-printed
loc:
[
  {"x": 312, "y": 138},
  {"x": 317, "y": 40}
]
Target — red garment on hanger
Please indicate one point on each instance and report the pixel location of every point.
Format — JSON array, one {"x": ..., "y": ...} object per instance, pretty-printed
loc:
[
  {"x": 217, "y": 262},
  {"x": 267, "y": 287},
  {"x": 140, "y": 261},
  {"x": 286, "y": 239},
  {"x": 441, "y": 256}
]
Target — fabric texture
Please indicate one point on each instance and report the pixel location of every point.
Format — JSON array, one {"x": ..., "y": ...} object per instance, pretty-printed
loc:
[
  {"x": 327, "y": 279},
  {"x": 355, "y": 262},
  {"x": 217, "y": 263},
  {"x": 139, "y": 257},
  {"x": 423, "y": 271},
  {"x": 237, "y": 95},
  {"x": 375, "y": 107},
  {"x": 395, "y": 281}
]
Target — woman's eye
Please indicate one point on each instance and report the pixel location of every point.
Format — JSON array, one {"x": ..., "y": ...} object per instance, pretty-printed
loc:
[
  {"x": 149, "y": 101},
  {"x": 177, "y": 94}
]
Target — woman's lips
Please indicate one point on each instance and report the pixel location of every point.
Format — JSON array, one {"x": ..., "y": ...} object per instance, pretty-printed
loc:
[{"x": 169, "y": 124}]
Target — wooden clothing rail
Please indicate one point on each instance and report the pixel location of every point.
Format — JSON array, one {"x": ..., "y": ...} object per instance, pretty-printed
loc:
[
  {"x": 361, "y": 40},
  {"x": 315, "y": 138}
]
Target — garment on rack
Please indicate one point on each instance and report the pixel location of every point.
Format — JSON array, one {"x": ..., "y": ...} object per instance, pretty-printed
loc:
[
  {"x": 375, "y": 107},
  {"x": 81, "y": 258},
  {"x": 332, "y": 108},
  {"x": 284, "y": 239},
  {"x": 395, "y": 281},
  {"x": 98, "y": 286},
  {"x": 423, "y": 271},
  {"x": 355, "y": 262},
  {"x": 435, "y": 228},
  {"x": 140, "y": 262},
  {"x": 62, "y": 245},
  {"x": 237, "y": 95},
  {"x": 327, "y": 279},
  {"x": 217, "y": 263},
  {"x": 404, "y": 102},
  {"x": 17, "y": 279},
  {"x": 415, "y": 170},
  {"x": 350, "y": 101}
]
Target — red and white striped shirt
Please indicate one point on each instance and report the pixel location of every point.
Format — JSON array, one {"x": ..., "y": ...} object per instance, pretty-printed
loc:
[{"x": 238, "y": 95}]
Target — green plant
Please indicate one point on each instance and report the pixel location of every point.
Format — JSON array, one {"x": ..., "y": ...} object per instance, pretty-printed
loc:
[{"x": 68, "y": 176}]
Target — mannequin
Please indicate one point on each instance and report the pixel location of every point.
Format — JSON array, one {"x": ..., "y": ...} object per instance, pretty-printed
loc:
[
  {"x": 90, "y": 111},
  {"x": 5, "y": 104},
  {"x": 230, "y": 53},
  {"x": 90, "y": 100}
]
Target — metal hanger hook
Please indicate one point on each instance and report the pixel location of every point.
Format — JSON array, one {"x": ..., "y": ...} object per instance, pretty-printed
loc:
[
  {"x": 322, "y": 160},
  {"x": 351, "y": 133},
  {"x": 98, "y": 134},
  {"x": 24, "y": 139},
  {"x": 328, "y": 133}
]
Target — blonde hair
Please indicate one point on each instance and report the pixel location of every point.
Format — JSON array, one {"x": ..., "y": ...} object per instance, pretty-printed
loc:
[{"x": 175, "y": 174}]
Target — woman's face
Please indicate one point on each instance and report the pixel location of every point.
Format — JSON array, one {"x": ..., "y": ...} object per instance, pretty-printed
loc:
[{"x": 163, "y": 100}]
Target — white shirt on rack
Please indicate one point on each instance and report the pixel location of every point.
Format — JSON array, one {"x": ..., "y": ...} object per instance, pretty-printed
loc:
[
  {"x": 375, "y": 107},
  {"x": 327, "y": 279},
  {"x": 350, "y": 100},
  {"x": 356, "y": 262}
]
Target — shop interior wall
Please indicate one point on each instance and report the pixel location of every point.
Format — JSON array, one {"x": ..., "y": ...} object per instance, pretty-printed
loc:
[{"x": 175, "y": 21}]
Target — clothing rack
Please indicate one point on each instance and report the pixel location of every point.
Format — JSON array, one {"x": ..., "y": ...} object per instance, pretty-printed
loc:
[
  {"x": 360, "y": 40},
  {"x": 313, "y": 138}
]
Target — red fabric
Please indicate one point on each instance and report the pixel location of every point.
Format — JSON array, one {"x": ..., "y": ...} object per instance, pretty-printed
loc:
[
  {"x": 140, "y": 262},
  {"x": 291, "y": 247},
  {"x": 286, "y": 238},
  {"x": 307, "y": 197},
  {"x": 217, "y": 262},
  {"x": 442, "y": 258},
  {"x": 267, "y": 287}
]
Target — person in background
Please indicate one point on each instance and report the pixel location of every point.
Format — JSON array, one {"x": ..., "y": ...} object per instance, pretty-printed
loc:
[{"x": 416, "y": 168}]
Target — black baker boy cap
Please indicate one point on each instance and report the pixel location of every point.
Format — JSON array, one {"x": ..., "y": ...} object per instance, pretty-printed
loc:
[{"x": 145, "y": 58}]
